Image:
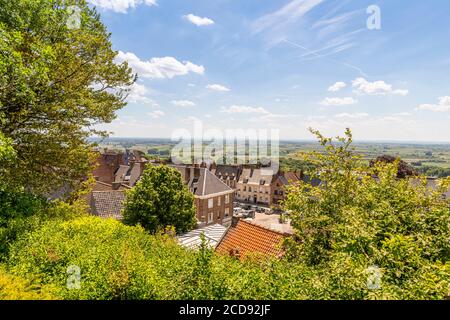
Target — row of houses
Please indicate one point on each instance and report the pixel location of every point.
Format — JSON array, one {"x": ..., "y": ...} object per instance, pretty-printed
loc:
[{"x": 257, "y": 184}]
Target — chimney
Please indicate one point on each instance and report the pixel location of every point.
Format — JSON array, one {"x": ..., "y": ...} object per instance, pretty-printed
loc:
[{"x": 234, "y": 221}]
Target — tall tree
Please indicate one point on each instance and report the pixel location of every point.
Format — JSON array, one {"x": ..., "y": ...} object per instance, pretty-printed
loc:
[
  {"x": 159, "y": 200},
  {"x": 58, "y": 80}
]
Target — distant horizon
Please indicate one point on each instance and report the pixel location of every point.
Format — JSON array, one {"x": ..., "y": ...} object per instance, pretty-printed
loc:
[{"x": 292, "y": 140}]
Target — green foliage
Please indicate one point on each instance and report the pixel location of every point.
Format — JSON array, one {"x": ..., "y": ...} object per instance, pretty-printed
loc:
[
  {"x": 433, "y": 171},
  {"x": 293, "y": 164},
  {"x": 56, "y": 82},
  {"x": 15, "y": 288},
  {"x": 160, "y": 199},
  {"x": 123, "y": 262},
  {"x": 21, "y": 212},
  {"x": 365, "y": 216},
  {"x": 7, "y": 157}
]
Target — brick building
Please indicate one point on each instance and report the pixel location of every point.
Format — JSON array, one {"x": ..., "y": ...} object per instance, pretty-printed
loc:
[{"x": 213, "y": 198}]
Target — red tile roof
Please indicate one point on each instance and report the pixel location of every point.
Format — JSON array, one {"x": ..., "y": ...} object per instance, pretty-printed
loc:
[{"x": 247, "y": 238}]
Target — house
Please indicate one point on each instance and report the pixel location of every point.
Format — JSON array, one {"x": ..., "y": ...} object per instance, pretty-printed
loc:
[
  {"x": 254, "y": 185},
  {"x": 106, "y": 165},
  {"x": 247, "y": 238},
  {"x": 213, "y": 198},
  {"x": 229, "y": 174},
  {"x": 212, "y": 233}
]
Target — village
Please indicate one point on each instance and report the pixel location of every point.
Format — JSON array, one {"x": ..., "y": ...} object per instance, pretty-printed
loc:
[{"x": 238, "y": 208}]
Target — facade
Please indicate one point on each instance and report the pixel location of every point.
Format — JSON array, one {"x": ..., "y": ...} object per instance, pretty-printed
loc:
[
  {"x": 254, "y": 185},
  {"x": 280, "y": 183},
  {"x": 213, "y": 198}
]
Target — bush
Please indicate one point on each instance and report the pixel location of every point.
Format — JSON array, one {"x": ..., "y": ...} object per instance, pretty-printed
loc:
[
  {"x": 15, "y": 288},
  {"x": 123, "y": 262},
  {"x": 21, "y": 212}
]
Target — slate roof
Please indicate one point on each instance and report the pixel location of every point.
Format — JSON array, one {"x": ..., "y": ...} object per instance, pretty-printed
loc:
[
  {"x": 258, "y": 176},
  {"x": 201, "y": 181},
  {"x": 247, "y": 238},
  {"x": 107, "y": 204},
  {"x": 121, "y": 173},
  {"x": 227, "y": 172},
  {"x": 129, "y": 174},
  {"x": 212, "y": 233},
  {"x": 207, "y": 183}
]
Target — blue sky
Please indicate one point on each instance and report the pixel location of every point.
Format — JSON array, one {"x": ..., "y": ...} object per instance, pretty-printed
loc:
[{"x": 285, "y": 65}]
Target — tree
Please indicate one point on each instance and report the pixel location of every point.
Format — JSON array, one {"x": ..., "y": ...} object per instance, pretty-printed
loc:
[
  {"x": 404, "y": 169},
  {"x": 58, "y": 80},
  {"x": 364, "y": 219},
  {"x": 160, "y": 199}
]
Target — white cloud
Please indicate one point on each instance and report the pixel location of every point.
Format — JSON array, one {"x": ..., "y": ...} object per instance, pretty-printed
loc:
[
  {"x": 245, "y": 109},
  {"x": 352, "y": 115},
  {"x": 159, "y": 68},
  {"x": 443, "y": 105},
  {"x": 363, "y": 86},
  {"x": 292, "y": 11},
  {"x": 338, "y": 101},
  {"x": 121, "y": 6},
  {"x": 191, "y": 120},
  {"x": 156, "y": 114},
  {"x": 198, "y": 21},
  {"x": 138, "y": 93},
  {"x": 402, "y": 114},
  {"x": 217, "y": 87},
  {"x": 183, "y": 103},
  {"x": 337, "y": 86}
]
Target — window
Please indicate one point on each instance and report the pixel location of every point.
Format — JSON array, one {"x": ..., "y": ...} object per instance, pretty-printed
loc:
[
  {"x": 210, "y": 217},
  {"x": 227, "y": 212},
  {"x": 210, "y": 203},
  {"x": 218, "y": 201},
  {"x": 250, "y": 189},
  {"x": 227, "y": 199}
]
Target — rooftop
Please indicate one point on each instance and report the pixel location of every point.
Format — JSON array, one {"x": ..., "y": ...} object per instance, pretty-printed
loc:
[
  {"x": 212, "y": 234},
  {"x": 247, "y": 238},
  {"x": 107, "y": 204}
]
